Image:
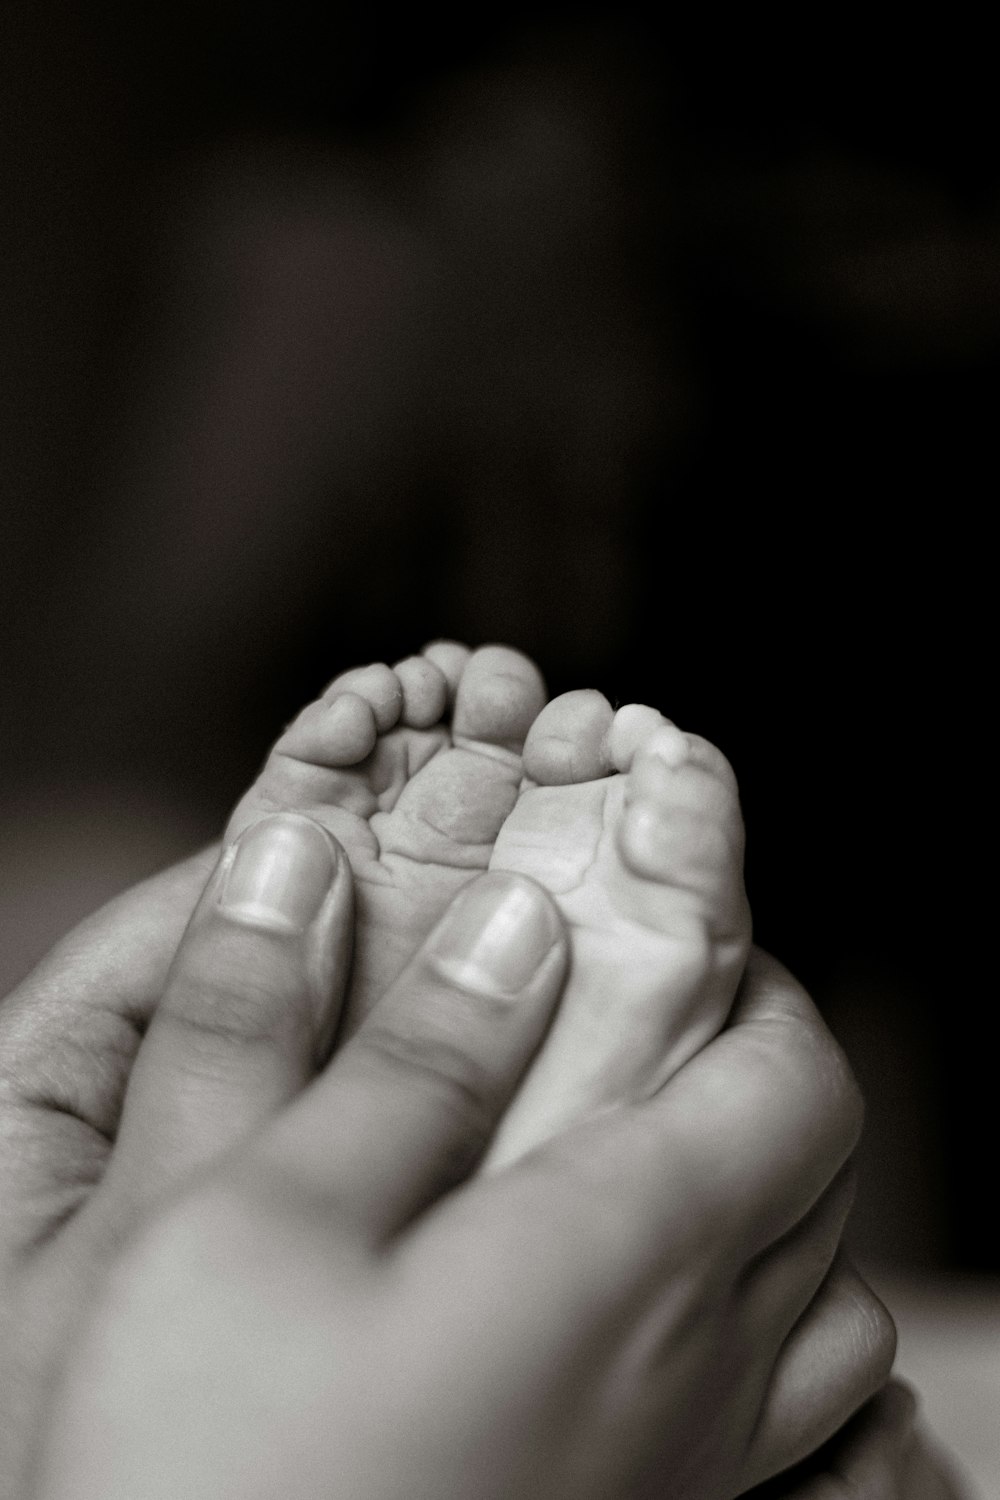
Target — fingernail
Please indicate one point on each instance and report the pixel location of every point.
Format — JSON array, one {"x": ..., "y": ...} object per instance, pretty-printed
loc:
[
  {"x": 280, "y": 875},
  {"x": 496, "y": 934}
]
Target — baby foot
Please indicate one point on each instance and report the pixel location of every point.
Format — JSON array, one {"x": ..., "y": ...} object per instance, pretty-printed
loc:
[
  {"x": 631, "y": 824},
  {"x": 647, "y": 866},
  {"x": 413, "y": 769}
]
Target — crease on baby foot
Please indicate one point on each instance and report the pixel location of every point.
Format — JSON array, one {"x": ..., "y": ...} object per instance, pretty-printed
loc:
[
  {"x": 353, "y": 829},
  {"x": 583, "y": 871},
  {"x": 511, "y": 758},
  {"x": 444, "y": 849},
  {"x": 591, "y": 862},
  {"x": 561, "y": 877},
  {"x": 526, "y": 842},
  {"x": 567, "y": 764},
  {"x": 316, "y": 771}
]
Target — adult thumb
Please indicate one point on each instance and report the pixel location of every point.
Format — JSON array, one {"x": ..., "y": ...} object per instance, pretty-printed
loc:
[{"x": 409, "y": 1105}]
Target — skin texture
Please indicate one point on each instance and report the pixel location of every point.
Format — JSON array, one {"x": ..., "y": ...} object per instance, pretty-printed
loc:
[
  {"x": 94, "y": 1258},
  {"x": 452, "y": 762},
  {"x": 881, "y": 1454}
]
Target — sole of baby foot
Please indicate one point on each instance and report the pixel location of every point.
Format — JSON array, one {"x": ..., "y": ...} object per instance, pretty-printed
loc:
[
  {"x": 413, "y": 768},
  {"x": 635, "y": 828}
]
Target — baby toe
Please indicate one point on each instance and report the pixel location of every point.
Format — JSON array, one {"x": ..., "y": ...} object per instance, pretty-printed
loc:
[
  {"x": 340, "y": 732},
  {"x": 569, "y": 741},
  {"x": 450, "y": 658},
  {"x": 500, "y": 695},
  {"x": 378, "y": 685},
  {"x": 425, "y": 691},
  {"x": 633, "y": 726}
]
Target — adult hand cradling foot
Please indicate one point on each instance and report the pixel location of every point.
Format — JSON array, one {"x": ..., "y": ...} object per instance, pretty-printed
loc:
[{"x": 263, "y": 1277}]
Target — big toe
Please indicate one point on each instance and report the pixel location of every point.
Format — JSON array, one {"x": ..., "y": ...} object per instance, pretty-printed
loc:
[{"x": 499, "y": 696}]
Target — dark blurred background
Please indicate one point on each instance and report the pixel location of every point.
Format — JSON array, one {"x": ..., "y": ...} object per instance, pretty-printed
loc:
[{"x": 666, "y": 352}]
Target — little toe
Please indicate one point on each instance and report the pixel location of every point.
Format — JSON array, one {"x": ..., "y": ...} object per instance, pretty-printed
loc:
[
  {"x": 378, "y": 685},
  {"x": 569, "y": 741},
  {"x": 500, "y": 695},
  {"x": 450, "y": 657},
  {"x": 338, "y": 733},
  {"x": 425, "y": 691}
]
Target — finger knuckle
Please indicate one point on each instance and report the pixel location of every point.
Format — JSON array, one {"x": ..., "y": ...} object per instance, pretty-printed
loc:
[
  {"x": 434, "y": 1066},
  {"x": 216, "y": 1012},
  {"x": 873, "y": 1333}
]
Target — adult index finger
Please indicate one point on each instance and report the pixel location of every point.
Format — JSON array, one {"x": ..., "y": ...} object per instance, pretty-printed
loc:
[{"x": 731, "y": 1153}]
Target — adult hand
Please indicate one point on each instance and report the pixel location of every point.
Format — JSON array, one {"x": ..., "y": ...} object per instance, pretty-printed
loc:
[
  {"x": 623, "y": 1306},
  {"x": 881, "y": 1454}
]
